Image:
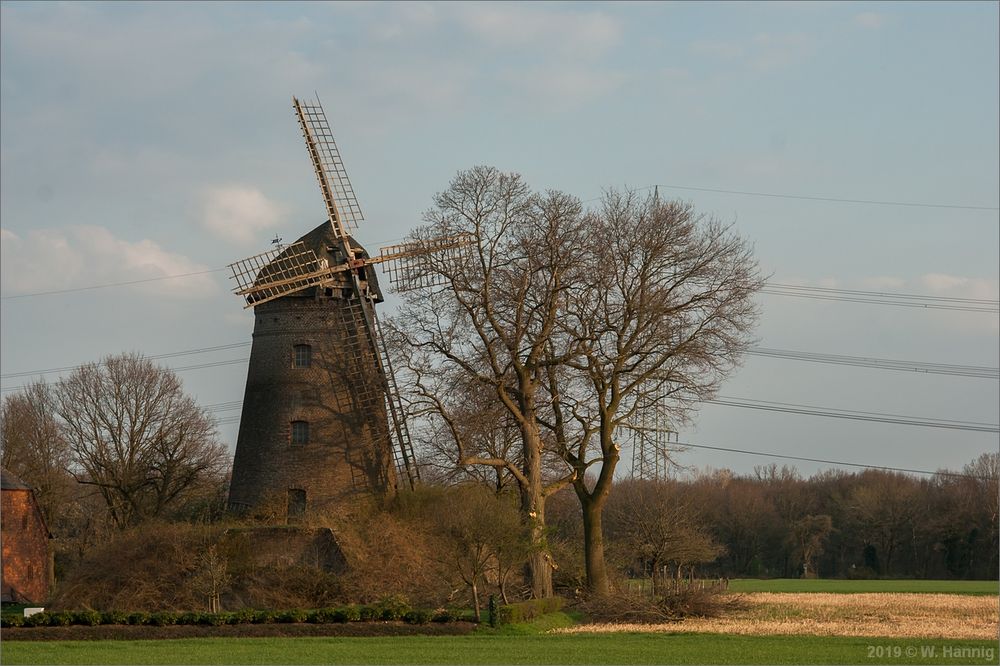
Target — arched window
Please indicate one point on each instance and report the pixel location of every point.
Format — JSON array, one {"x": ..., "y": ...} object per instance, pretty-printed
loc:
[
  {"x": 302, "y": 356},
  {"x": 300, "y": 432}
]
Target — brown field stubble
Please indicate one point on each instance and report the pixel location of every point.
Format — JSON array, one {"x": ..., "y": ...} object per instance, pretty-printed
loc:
[{"x": 876, "y": 615}]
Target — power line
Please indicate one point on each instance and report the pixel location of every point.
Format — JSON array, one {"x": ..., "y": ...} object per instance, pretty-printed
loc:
[
  {"x": 112, "y": 284},
  {"x": 833, "y": 199},
  {"x": 873, "y": 301},
  {"x": 796, "y": 355},
  {"x": 186, "y": 352},
  {"x": 808, "y": 410},
  {"x": 182, "y": 368},
  {"x": 927, "y": 302},
  {"x": 141, "y": 281},
  {"x": 883, "y": 298},
  {"x": 980, "y": 372},
  {"x": 878, "y": 417},
  {"x": 886, "y": 294},
  {"x": 827, "y": 462}
]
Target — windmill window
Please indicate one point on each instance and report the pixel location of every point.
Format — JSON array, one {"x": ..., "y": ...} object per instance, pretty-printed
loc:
[
  {"x": 300, "y": 432},
  {"x": 302, "y": 357}
]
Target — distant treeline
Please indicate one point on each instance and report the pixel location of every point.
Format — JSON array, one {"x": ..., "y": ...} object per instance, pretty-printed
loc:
[{"x": 836, "y": 524}]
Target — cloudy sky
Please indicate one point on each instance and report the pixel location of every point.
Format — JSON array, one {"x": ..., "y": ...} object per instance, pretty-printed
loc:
[{"x": 144, "y": 140}]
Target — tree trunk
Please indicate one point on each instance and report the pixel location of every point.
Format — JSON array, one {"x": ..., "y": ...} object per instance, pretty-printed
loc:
[
  {"x": 539, "y": 568},
  {"x": 593, "y": 543},
  {"x": 539, "y": 565},
  {"x": 475, "y": 598}
]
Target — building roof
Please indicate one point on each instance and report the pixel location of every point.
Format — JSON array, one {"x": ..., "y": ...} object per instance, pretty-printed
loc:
[{"x": 10, "y": 482}]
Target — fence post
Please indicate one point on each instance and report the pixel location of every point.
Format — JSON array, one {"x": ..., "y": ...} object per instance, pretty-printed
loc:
[{"x": 493, "y": 610}]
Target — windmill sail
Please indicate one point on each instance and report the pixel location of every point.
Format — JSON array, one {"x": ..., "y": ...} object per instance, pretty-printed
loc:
[
  {"x": 338, "y": 194},
  {"x": 278, "y": 272},
  {"x": 345, "y": 214}
]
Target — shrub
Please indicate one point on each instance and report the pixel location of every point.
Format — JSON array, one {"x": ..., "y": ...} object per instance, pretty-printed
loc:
[
  {"x": 213, "y": 619},
  {"x": 291, "y": 616},
  {"x": 88, "y": 618},
  {"x": 417, "y": 616},
  {"x": 684, "y": 602},
  {"x": 447, "y": 615},
  {"x": 326, "y": 615},
  {"x": 242, "y": 616},
  {"x": 138, "y": 617},
  {"x": 393, "y": 608},
  {"x": 37, "y": 620},
  {"x": 262, "y": 617},
  {"x": 162, "y": 619},
  {"x": 528, "y": 610},
  {"x": 114, "y": 617},
  {"x": 350, "y": 613},
  {"x": 63, "y": 619},
  {"x": 7, "y": 621},
  {"x": 698, "y": 602},
  {"x": 190, "y": 617},
  {"x": 369, "y": 613}
]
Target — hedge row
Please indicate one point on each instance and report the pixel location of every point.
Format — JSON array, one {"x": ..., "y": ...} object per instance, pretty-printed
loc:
[
  {"x": 391, "y": 610},
  {"x": 528, "y": 610}
]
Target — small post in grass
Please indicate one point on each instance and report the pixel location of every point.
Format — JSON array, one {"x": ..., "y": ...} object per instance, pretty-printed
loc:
[{"x": 493, "y": 610}]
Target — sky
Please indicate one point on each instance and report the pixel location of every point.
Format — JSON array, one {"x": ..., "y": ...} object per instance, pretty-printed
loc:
[{"x": 143, "y": 140}]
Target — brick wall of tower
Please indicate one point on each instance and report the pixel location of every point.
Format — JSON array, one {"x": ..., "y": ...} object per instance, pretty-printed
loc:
[
  {"x": 348, "y": 450},
  {"x": 25, "y": 544}
]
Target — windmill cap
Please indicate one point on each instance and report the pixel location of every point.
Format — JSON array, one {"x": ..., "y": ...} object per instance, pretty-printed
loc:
[{"x": 321, "y": 240}]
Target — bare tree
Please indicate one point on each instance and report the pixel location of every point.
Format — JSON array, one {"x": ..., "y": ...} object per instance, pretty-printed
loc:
[
  {"x": 662, "y": 317},
  {"x": 484, "y": 535},
  {"x": 477, "y": 419},
  {"x": 211, "y": 577},
  {"x": 34, "y": 449},
  {"x": 136, "y": 436},
  {"x": 656, "y": 524},
  {"x": 491, "y": 318},
  {"x": 808, "y": 535}
]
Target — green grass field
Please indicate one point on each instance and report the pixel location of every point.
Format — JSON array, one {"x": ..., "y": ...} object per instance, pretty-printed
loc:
[
  {"x": 507, "y": 649},
  {"x": 855, "y": 586}
]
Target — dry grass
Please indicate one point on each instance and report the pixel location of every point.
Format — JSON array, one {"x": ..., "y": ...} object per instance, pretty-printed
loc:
[{"x": 877, "y": 615}]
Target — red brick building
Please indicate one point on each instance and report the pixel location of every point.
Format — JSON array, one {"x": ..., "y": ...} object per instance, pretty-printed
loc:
[{"x": 24, "y": 540}]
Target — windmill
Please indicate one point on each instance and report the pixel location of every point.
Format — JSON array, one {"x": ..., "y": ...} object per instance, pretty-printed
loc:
[{"x": 322, "y": 416}]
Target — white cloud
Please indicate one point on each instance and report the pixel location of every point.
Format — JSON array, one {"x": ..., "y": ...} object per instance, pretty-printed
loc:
[
  {"x": 238, "y": 214},
  {"x": 869, "y": 20},
  {"x": 717, "y": 49},
  {"x": 776, "y": 51},
  {"x": 584, "y": 35},
  {"x": 957, "y": 286},
  {"x": 883, "y": 282},
  {"x": 84, "y": 255},
  {"x": 562, "y": 87},
  {"x": 405, "y": 19},
  {"x": 764, "y": 51}
]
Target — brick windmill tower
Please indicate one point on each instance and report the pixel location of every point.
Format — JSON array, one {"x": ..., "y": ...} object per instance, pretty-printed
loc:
[{"x": 322, "y": 418}]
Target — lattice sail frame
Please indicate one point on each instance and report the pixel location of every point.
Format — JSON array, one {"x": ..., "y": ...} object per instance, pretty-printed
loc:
[
  {"x": 338, "y": 194},
  {"x": 279, "y": 272},
  {"x": 412, "y": 265}
]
